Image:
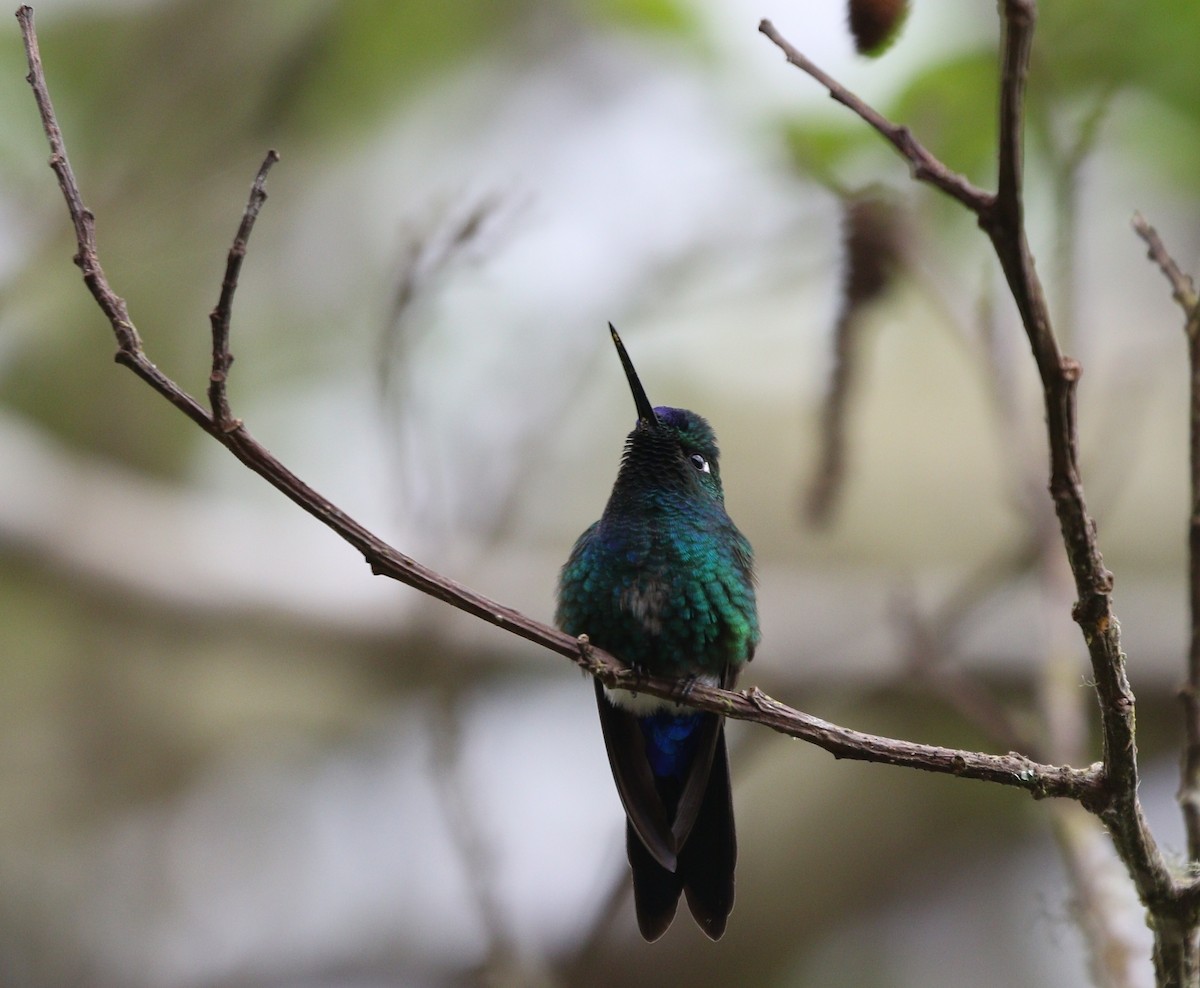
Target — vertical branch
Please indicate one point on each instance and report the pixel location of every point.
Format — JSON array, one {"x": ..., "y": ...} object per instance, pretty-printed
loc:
[
  {"x": 1184, "y": 292},
  {"x": 1017, "y": 43},
  {"x": 1189, "y": 792},
  {"x": 505, "y": 962},
  {"x": 1004, "y": 224},
  {"x": 1003, "y": 221},
  {"x": 1114, "y": 957},
  {"x": 129, "y": 344},
  {"x": 1066, "y": 168},
  {"x": 870, "y": 238},
  {"x": 221, "y": 315}
]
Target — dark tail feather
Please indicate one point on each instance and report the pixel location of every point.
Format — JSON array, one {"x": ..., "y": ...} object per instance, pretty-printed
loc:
[
  {"x": 706, "y": 863},
  {"x": 655, "y": 890},
  {"x": 707, "y": 860}
]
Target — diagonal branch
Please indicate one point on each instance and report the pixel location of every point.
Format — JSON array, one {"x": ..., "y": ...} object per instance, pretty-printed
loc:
[
  {"x": 925, "y": 166},
  {"x": 1083, "y": 785},
  {"x": 1183, "y": 288}
]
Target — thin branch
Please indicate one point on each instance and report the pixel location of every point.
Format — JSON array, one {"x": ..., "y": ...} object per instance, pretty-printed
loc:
[
  {"x": 1184, "y": 291},
  {"x": 470, "y": 837},
  {"x": 1067, "y": 159},
  {"x": 1183, "y": 288},
  {"x": 222, "y": 359},
  {"x": 129, "y": 345},
  {"x": 1012, "y": 769},
  {"x": 1017, "y": 23},
  {"x": 1084, "y": 785},
  {"x": 925, "y": 166}
]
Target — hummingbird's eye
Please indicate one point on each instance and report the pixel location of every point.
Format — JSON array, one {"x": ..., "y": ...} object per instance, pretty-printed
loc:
[{"x": 700, "y": 463}]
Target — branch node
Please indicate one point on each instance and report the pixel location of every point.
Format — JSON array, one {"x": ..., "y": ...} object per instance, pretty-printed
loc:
[{"x": 1071, "y": 369}]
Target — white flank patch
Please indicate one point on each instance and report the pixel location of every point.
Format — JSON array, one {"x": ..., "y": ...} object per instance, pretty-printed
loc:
[{"x": 642, "y": 704}]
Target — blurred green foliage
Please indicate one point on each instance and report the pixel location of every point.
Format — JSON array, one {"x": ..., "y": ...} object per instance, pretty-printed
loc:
[
  {"x": 663, "y": 16},
  {"x": 949, "y": 104},
  {"x": 1139, "y": 53}
]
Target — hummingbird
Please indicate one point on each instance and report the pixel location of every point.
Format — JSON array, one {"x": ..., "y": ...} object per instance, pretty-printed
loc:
[{"x": 664, "y": 581}]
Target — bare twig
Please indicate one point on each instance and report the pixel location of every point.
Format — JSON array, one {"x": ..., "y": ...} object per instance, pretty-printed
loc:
[
  {"x": 925, "y": 166},
  {"x": 428, "y": 253},
  {"x": 1184, "y": 291},
  {"x": 1183, "y": 288},
  {"x": 222, "y": 359},
  {"x": 1067, "y": 161},
  {"x": 1089, "y": 862},
  {"x": 1011, "y": 769}
]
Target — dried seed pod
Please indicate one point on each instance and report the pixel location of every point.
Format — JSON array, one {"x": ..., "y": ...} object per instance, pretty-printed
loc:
[{"x": 875, "y": 24}]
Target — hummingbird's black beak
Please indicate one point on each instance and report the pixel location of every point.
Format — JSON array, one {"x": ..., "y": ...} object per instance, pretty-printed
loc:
[{"x": 644, "y": 409}]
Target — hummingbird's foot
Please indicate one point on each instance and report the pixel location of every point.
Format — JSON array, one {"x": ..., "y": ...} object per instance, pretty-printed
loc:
[
  {"x": 639, "y": 676},
  {"x": 585, "y": 653},
  {"x": 684, "y": 687}
]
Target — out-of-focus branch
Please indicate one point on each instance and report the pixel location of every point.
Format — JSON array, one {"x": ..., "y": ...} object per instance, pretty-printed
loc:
[
  {"x": 506, "y": 962},
  {"x": 871, "y": 246},
  {"x": 1113, "y": 960},
  {"x": 930, "y": 643},
  {"x": 1183, "y": 290},
  {"x": 221, "y": 315},
  {"x": 426, "y": 255}
]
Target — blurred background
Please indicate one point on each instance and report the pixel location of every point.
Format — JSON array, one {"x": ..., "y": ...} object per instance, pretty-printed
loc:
[{"x": 230, "y": 756}]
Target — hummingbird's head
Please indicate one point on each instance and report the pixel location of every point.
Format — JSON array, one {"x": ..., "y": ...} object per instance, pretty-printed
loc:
[{"x": 670, "y": 449}]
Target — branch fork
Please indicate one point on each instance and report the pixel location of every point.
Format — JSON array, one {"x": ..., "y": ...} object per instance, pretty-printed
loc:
[{"x": 1001, "y": 217}]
